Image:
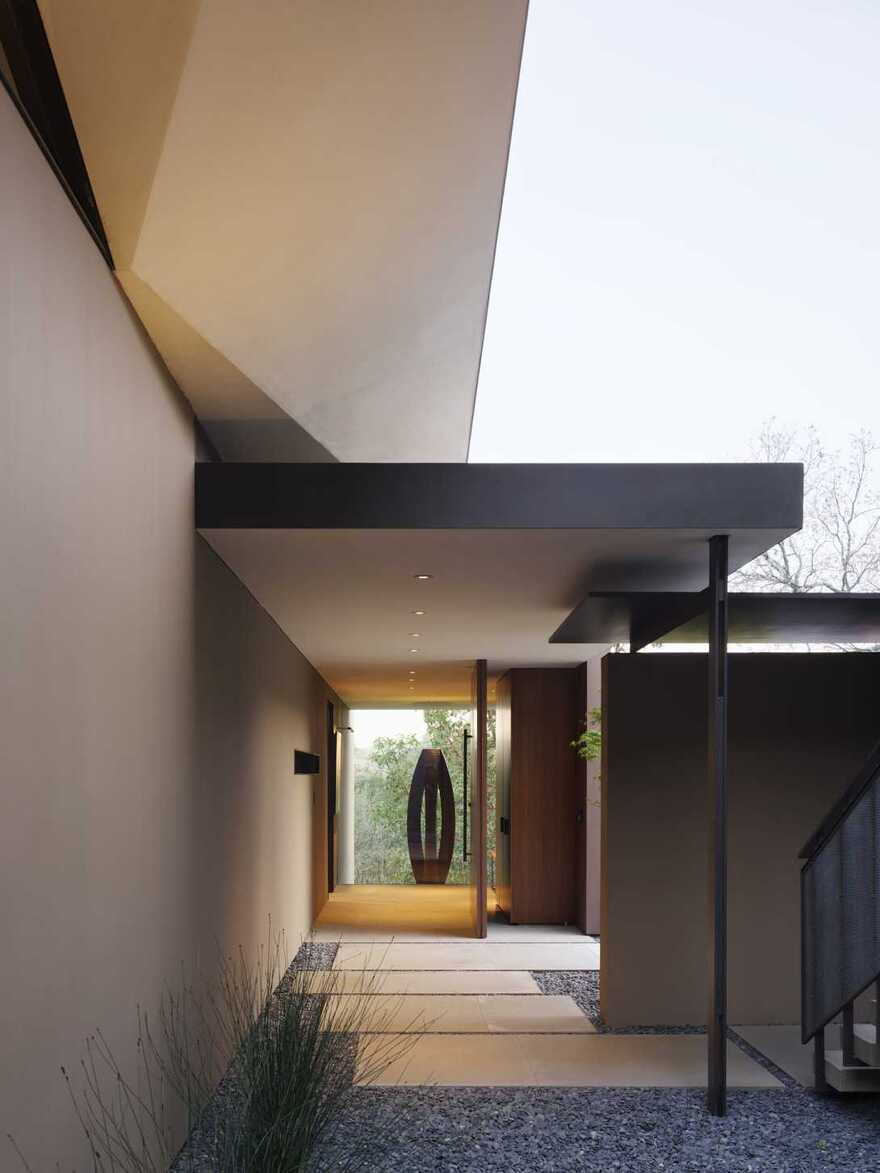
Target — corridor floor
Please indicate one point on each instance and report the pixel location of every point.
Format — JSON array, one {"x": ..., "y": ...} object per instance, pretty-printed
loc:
[
  {"x": 481, "y": 1017},
  {"x": 507, "y": 1079},
  {"x": 380, "y": 912}
]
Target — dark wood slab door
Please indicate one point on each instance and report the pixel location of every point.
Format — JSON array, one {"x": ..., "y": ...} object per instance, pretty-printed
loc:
[{"x": 539, "y": 799}]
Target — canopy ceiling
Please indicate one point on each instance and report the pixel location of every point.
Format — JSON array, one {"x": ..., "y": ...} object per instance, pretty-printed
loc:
[{"x": 334, "y": 551}]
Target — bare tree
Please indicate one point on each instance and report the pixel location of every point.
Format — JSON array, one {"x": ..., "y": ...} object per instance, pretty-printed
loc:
[{"x": 838, "y": 548}]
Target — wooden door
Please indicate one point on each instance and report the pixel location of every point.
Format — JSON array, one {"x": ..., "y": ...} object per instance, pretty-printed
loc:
[{"x": 478, "y": 805}]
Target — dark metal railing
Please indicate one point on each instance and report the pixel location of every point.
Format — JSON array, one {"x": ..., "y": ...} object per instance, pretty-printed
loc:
[{"x": 840, "y": 911}]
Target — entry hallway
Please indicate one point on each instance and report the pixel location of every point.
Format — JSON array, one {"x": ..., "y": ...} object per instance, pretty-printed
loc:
[{"x": 482, "y": 1017}]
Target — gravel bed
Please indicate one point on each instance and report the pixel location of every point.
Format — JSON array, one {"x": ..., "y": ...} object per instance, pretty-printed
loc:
[
  {"x": 582, "y": 986},
  {"x": 315, "y": 955},
  {"x": 631, "y": 1130},
  {"x": 598, "y": 1130},
  {"x": 606, "y": 1130}
]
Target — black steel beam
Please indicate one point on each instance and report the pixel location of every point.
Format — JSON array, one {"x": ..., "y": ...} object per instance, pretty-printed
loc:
[
  {"x": 753, "y": 618},
  {"x": 717, "y": 778},
  {"x": 764, "y": 500}
]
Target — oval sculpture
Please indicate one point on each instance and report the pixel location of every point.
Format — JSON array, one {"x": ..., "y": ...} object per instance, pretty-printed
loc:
[{"x": 430, "y": 781}]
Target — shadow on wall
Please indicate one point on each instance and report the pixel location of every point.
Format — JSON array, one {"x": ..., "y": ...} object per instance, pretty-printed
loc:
[{"x": 256, "y": 700}]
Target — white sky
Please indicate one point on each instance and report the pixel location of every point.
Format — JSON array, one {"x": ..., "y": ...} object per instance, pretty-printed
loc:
[
  {"x": 368, "y": 724},
  {"x": 690, "y": 240}
]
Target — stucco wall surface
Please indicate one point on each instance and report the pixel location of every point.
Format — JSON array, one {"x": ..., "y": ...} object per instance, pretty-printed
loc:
[
  {"x": 149, "y": 708},
  {"x": 800, "y": 727}
]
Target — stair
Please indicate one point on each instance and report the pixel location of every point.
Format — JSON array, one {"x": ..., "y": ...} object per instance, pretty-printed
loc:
[
  {"x": 839, "y": 897},
  {"x": 866, "y": 1048},
  {"x": 850, "y": 1079}
]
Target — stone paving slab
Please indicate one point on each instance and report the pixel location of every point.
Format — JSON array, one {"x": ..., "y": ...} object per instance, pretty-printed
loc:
[
  {"x": 537, "y": 1060},
  {"x": 448, "y": 981},
  {"x": 470, "y": 1014},
  {"x": 475, "y": 955}
]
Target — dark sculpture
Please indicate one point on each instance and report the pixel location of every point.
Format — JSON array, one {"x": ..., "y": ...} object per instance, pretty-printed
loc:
[{"x": 430, "y": 779}]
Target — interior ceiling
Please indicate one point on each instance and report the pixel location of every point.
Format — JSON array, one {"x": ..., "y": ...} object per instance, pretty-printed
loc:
[
  {"x": 347, "y": 597},
  {"x": 302, "y": 200}
]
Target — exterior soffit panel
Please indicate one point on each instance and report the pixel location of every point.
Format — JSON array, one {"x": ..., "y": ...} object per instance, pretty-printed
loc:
[
  {"x": 313, "y": 190},
  {"x": 325, "y": 207},
  {"x": 333, "y": 551},
  {"x": 120, "y": 65}
]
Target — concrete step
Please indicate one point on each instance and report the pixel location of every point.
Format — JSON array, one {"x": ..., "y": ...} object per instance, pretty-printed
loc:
[
  {"x": 866, "y": 1043},
  {"x": 850, "y": 1079}
]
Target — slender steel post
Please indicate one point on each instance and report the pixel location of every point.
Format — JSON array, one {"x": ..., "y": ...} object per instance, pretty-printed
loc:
[
  {"x": 717, "y": 776},
  {"x": 848, "y": 1036},
  {"x": 819, "y": 1080}
]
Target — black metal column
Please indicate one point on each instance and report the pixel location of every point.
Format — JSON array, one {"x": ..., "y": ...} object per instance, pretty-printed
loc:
[{"x": 717, "y": 777}]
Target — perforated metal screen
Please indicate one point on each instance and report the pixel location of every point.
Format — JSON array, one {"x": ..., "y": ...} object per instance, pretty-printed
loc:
[{"x": 840, "y": 891}]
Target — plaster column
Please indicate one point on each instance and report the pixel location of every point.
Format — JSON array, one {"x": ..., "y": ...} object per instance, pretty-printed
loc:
[{"x": 346, "y": 811}]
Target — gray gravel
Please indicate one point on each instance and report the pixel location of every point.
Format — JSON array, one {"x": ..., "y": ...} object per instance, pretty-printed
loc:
[
  {"x": 315, "y": 955},
  {"x": 582, "y": 986},
  {"x": 526, "y": 1130},
  {"x": 603, "y": 1130}
]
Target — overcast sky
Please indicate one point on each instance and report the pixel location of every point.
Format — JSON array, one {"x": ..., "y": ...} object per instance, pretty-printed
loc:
[
  {"x": 368, "y": 724},
  {"x": 690, "y": 239}
]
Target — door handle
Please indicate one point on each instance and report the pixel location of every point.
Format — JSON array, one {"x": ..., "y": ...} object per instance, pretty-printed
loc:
[{"x": 464, "y": 797}]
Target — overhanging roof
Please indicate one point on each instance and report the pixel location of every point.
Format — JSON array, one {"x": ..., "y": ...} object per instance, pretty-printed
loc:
[
  {"x": 331, "y": 551},
  {"x": 302, "y": 201},
  {"x": 647, "y": 617},
  {"x": 757, "y": 504}
]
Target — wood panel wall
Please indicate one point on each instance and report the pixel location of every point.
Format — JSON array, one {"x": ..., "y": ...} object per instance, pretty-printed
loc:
[{"x": 538, "y": 791}]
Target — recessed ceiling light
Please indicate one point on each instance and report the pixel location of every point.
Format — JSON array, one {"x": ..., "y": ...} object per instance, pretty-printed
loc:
[
  {"x": 414, "y": 649},
  {"x": 417, "y": 612},
  {"x": 415, "y": 635},
  {"x": 423, "y": 577}
]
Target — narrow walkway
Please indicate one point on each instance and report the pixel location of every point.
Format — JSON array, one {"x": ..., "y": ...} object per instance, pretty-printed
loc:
[
  {"x": 380, "y": 912},
  {"x": 481, "y": 1018}
]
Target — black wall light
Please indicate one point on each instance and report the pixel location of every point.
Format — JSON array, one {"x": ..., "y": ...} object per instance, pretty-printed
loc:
[{"x": 306, "y": 763}]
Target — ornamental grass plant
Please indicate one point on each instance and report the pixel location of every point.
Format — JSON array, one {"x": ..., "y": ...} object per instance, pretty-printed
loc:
[{"x": 253, "y": 1068}]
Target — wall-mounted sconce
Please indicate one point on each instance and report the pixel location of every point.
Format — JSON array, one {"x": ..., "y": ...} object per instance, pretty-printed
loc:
[{"x": 306, "y": 763}]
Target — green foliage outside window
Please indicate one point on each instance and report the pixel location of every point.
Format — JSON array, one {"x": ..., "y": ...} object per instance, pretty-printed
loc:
[{"x": 383, "y": 774}]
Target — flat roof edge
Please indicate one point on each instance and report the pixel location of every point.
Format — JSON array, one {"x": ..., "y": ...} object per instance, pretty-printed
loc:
[{"x": 701, "y": 497}]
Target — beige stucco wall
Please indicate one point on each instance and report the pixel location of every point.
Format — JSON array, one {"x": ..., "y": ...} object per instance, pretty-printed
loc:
[
  {"x": 800, "y": 726},
  {"x": 149, "y": 708}
]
